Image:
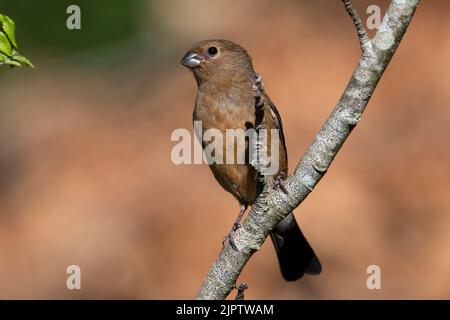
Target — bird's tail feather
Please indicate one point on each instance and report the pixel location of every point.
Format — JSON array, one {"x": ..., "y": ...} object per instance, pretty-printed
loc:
[{"x": 295, "y": 255}]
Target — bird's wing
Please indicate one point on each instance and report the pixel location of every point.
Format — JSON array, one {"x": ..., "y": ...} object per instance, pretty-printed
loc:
[{"x": 277, "y": 119}]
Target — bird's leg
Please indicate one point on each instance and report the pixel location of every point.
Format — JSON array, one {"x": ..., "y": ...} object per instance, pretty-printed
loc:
[
  {"x": 236, "y": 225},
  {"x": 279, "y": 182}
]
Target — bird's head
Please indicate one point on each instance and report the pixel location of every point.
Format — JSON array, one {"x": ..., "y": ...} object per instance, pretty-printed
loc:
[{"x": 219, "y": 62}]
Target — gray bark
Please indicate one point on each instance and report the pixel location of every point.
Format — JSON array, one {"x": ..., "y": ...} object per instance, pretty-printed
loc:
[{"x": 273, "y": 205}]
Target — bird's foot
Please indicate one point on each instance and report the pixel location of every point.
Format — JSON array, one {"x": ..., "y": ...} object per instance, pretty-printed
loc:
[
  {"x": 231, "y": 236},
  {"x": 280, "y": 181},
  {"x": 236, "y": 226}
]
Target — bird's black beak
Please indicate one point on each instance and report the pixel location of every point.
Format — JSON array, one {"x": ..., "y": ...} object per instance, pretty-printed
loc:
[{"x": 191, "y": 60}]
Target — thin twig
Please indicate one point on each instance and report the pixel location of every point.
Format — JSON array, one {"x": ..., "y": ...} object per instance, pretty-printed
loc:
[
  {"x": 364, "y": 40},
  {"x": 240, "y": 291}
]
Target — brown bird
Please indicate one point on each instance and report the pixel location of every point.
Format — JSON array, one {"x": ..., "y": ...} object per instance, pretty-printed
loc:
[{"x": 225, "y": 100}]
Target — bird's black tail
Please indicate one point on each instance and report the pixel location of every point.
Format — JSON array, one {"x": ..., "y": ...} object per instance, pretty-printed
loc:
[{"x": 295, "y": 255}]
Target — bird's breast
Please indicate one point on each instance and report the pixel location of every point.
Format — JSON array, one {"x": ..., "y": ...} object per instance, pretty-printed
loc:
[{"x": 224, "y": 109}]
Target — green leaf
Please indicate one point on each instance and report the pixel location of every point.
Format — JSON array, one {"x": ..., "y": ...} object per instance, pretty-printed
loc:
[
  {"x": 13, "y": 63},
  {"x": 5, "y": 46},
  {"x": 8, "y": 46},
  {"x": 9, "y": 28},
  {"x": 23, "y": 61},
  {"x": 3, "y": 57}
]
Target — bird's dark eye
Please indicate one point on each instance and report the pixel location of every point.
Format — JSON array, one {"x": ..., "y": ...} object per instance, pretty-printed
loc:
[{"x": 212, "y": 51}]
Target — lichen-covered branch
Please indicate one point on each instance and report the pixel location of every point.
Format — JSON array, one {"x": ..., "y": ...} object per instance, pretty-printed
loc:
[{"x": 273, "y": 205}]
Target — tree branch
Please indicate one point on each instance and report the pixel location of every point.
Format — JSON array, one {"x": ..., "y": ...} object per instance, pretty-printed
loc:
[{"x": 272, "y": 205}]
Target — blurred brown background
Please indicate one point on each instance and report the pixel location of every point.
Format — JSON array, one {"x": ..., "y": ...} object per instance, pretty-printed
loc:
[{"x": 85, "y": 170}]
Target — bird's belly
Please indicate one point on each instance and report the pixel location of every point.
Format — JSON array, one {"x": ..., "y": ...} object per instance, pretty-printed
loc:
[
  {"x": 238, "y": 179},
  {"x": 232, "y": 171}
]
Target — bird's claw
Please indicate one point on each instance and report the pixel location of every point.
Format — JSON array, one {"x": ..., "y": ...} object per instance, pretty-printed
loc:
[
  {"x": 231, "y": 240},
  {"x": 279, "y": 182},
  {"x": 231, "y": 236}
]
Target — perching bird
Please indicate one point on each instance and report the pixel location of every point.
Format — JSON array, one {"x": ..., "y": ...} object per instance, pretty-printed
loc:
[{"x": 225, "y": 100}]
